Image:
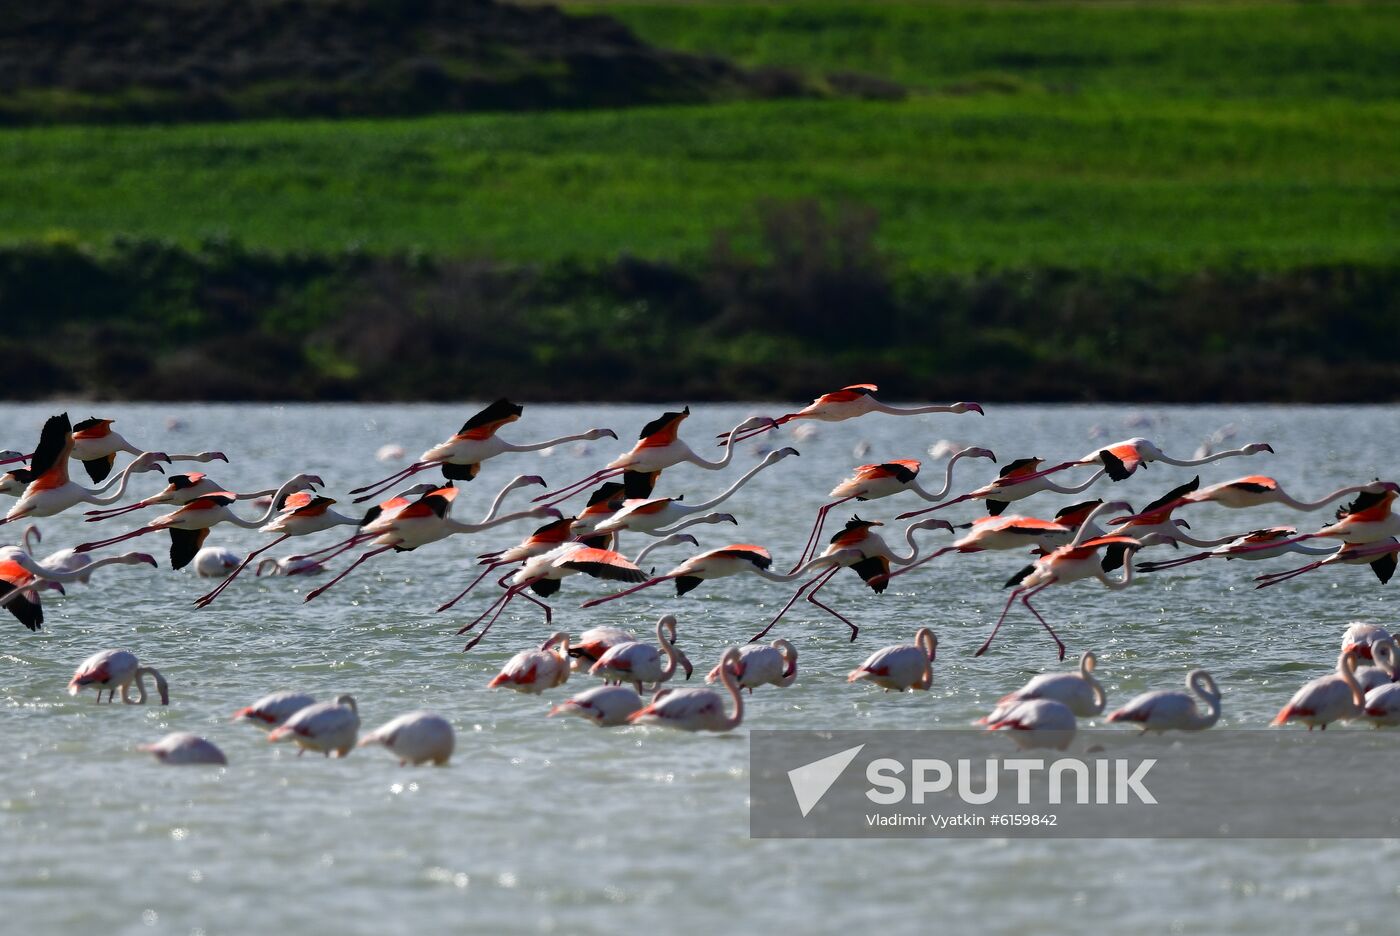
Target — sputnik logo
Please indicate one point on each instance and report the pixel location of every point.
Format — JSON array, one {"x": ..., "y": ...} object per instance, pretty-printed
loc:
[{"x": 810, "y": 782}]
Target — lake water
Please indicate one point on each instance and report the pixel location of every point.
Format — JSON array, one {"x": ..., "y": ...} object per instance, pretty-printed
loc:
[{"x": 551, "y": 824}]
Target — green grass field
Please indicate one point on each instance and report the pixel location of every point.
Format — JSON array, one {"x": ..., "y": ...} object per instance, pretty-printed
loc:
[{"x": 1090, "y": 136}]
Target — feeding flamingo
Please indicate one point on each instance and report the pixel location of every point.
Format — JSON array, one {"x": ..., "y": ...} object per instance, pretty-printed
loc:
[
  {"x": 534, "y": 671},
  {"x": 871, "y": 482},
  {"x": 851, "y": 402},
  {"x": 1080, "y": 691},
  {"x": 460, "y": 457},
  {"x": 272, "y": 710},
  {"x": 1036, "y": 723},
  {"x": 901, "y": 667},
  {"x": 1015, "y": 482},
  {"x": 640, "y": 663},
  {"x": 1122, "y": 459},
  {"x": 416, "y": 738},
  {"x": 1077, "y": 560},
  {"x": 772, "y": 664},
  {"x": 1169, "y": 710},
  {"x": 117, "y": 669},
  {"x": 327, "y": 727},
  {"x": 604, "y": 706},
  {"x": 215, "y": 562},
  {"x": 1337, "y": 697},
  {"x": 697, "y": 709},
  {"x": 181, "y": 748}
]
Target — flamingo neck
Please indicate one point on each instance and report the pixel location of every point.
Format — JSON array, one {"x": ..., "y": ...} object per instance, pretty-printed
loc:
[
  {"x": 726, "y": 676},
  {"x": 120, "y": 482},
  {"x": 728, "y": 492}
]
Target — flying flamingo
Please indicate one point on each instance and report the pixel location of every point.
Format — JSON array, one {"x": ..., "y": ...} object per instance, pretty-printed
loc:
[
  {"x": 416, "y": 738},
  {"x": 638, "y": 662},
  {"x": 426, "y": 521},
  {"x": 385, "y": 510},
  {"x": 19, "y": 565},
  {"x": 273, "y": 710},
  {"x": 763, "y": 665},
  {"x": 1168, "y": 710},
  {"x": 181, "y": 748},
  {"x": 1379, "y": 556},
  {"x": 553, "y": 534},
  {"x": 859, "y": 548},
  {"x": 1122, "y": 459},
  {"x": 96, "y": 445},
  {"x": 604, "y": 706},
  {"x": 543, "y": 574},
  {"x": 1337, "y": 697},
  {"x": 697, "y": 709},
  {"x": 1070, "y": 563},
  {"x": 19, "y": 592},
  {"x": 606, "y": 500},
  {"x": 1276, "y": 541},
  {"x": 1079, "y": 691},
  {"x": 1156, "y": 517},
  {"x": 534, "y": 671},
  {"x": 901, "y": 667},
  {"x": 1257, "y": 490},
  {"x": 117, "y": 669},
  {"x": 1013, "y": 484},
  {"x": 179, "y": 490},
  {"x": 460, "y": 457},
  {"x": 328, "y": 727},
  {"x": 14, "y": 481},
  {"x": 651, "y": 515},
  {"x": 1036, "y": 723},
  {"x": 850, "y": 402},
  {"x": 189, "y": 525},
  {"x": 871, "y": 482}
]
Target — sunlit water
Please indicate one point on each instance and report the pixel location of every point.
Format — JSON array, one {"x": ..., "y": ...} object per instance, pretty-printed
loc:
[{"x": 553, "y": 824}]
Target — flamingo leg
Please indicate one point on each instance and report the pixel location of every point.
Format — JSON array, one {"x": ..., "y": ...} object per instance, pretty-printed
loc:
[
  {"x": 205, "y": 600},
  {"x": 348, "y": 569},
  {"x": 750, "y": 433},
  {"x": 345, "y": 545},
  {"x": 99, "y": 544},
  {"x": 475, "y": 582},
  {"x": 96, "y": 516},
  {"x": 1026, "y": 600},
  {"x": 815, "y": 536},
  {"x": 948, "y": 503},
  {"x": 550, "y": 498},
  {"x": 830, "y": 610},
  {"x": 1172, "y": 563},
  {"x": 510, "y": 593},
  {"x": 1015, "y": 593},
  {"x": 802, "y": 590},
  {"x": 626, "y": 591},
  {"x": 929, "y": 558},
  {"x": 492, "y": 606},
  {"x": 370, "y": 490},
  {"x": 1273, "y": 578}
]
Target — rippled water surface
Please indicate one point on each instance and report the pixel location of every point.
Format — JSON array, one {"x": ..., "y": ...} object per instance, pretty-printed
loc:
[{"x": 553, "y": 824}]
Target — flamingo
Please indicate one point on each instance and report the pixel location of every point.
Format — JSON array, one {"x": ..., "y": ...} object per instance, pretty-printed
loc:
[
  {"x": 1156, "y": 517},
  {"x": 426, "y": 521},
  {"x": 651, "y": 515},
  {"x": 1382, "y": 705},
  {"x": 1277, "y": 541},
  {"x": 1386, "y": 669},
  {"x": 604, "y": 706},
  {"x": 189, "y": 525},
  {"x": 697, "y": 709},
  {"x": 289, "y": 565},
  {"x": 117, "y": 669},
  {"x": 179, "y": 490},
  {"x": 1122, "y": 459},
  {"x": 14, "y": 481},
  {"x": 596, "y": 641},
  {"x": 871, "y": 482},
  {"x": 1379, "y": 556},
  {"x": 1257, "y": 490},
  {"x": 639, "y": 663},
  {"x": 1015, "y": 482},
  {"x": 215, "y": 562},
  {"x": 96, "y": 445},
  {"x": 851, "y": 402},
  {"x": 1077, "y": 560},
  {"x": 1337, "y": 697},
  {"x": 772, "y": 664},
  {"x": 1036, "y": 723},
  {"x": 1168, "y": 710},
  {"x": 416, "y": 738},
  {"x": 180, "y": 748},
  {"x": 1079, "y": 691},
  {"x": 21, "y": 570},
  {"x": 19, "y": 592},
  {"x": 460, "y": 457},
  {"x": 658, "y": 448},
  {"x": 1360, "y": 636},
  {"x": 902, "y": 667},
  {"x": 543, "y": 574},
  {"x": 328, "y": 727},
  {"x": 534, "y": 671},
  {"x": 273, "y": 710},
  {"x": 385, "y": 511},
  {"x": 548, "y": 537},
  {"x": 859, "y": 548}
]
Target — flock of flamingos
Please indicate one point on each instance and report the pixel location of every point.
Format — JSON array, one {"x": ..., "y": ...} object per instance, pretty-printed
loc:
[{"x": 1088, "y": 540}]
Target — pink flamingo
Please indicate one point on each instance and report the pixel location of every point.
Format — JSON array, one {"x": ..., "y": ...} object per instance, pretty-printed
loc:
[
  {"x": 697, "y": 709},
  {"x": 1014, "y": 483},
  {"x": 1122, "y": 459},
  {"x": 327, "y": 727},
  {"x": 1168, "y": 710},
  {"x": 1079, "y": 691},
  {"x": 117, "y": 669},
  {"x": 1036, "y": 723},
  {"x": 534, "y": 671},
  {"x": 1337, "y": 697},
  {"x": 902, "y": 667},
  {"x": 772, "y": 664},
  {"x": 852, "y": 402},
  {"x": 640, "y": 663},
  {"x": 416, "y": 738}
]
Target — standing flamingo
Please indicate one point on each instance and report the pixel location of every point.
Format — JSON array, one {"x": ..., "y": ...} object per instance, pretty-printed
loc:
[
  {"x": 1014, "y": 483},
  {"x": 215, "y": 562},
  {"x": 697, "y": 709},
  {"x": 534, "y": 671},
  {"x": 1122, "y": 459},
  {"x": 1382, "y": 705},
  {"x": 460, "y": 457},
  {"x": 1079, "y": 691},
  {"x": 604, "y": 706},
  {"x": 181, "y": 748},
  {"x": 328, "y": 727},
  {"x": 772, "y": 664},
  {"x": 96, "y": 445},
  {"x": 1070, "y": 563},
  {"x": 871, "y": 482},
  {"x": 117, "y": 669},
  {"x": 1168, "y": 710},
  {"x": 1360, "y": 636},
  {"x": 189, "y": 525},
  {"x": 1337, "y": 697},
  {"x": 638, "y": 662},
  {"x": 851, "y": 402},
  {"x": 416, "y": 738},
  {"x": 902, "y": 667},
  {"x": 658, "y": 448},
  {"x": 1036, "y": 723}
]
